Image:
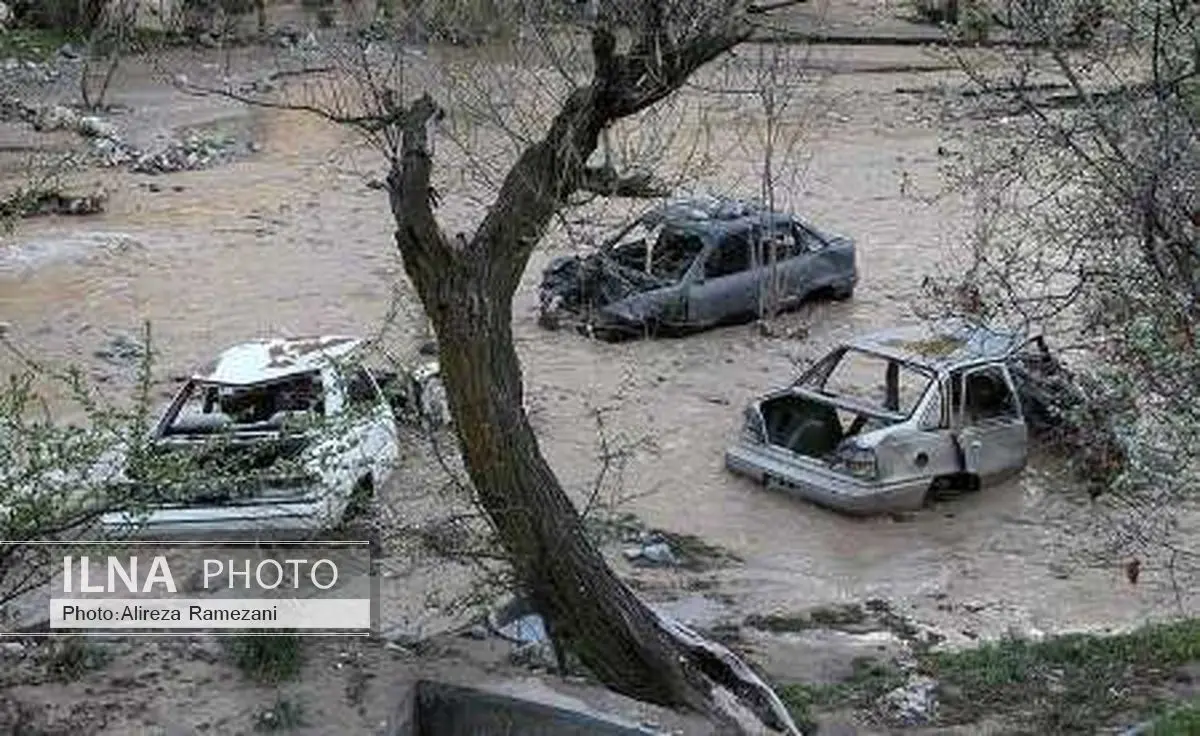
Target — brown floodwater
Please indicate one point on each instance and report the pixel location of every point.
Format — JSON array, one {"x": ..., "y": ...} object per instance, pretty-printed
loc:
[{"x": 293, "y": 241}]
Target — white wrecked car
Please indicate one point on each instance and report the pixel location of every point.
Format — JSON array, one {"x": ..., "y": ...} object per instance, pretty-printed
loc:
[{"x": 278, "y": 435}]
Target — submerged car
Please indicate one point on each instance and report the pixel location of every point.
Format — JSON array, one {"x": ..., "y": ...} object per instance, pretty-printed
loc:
[
  {"x": 276, "y": 435},
  {"x": 694, "y": 264},
  {"x": 886, "y": 421}
]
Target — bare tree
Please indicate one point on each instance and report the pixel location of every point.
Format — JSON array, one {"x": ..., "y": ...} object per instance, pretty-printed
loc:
[
  {"x": 1083, "y": 172},
  {"x": 781, "y": 78},
  {"x": 108, "y": 42},
  {"x": 641, "y": 53}
]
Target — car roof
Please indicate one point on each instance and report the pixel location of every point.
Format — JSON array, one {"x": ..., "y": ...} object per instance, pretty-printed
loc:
[
  {"x": 270, "y": 359},
  {"x": 711, "y": 215},
  {"x": 941, "y": 345}
]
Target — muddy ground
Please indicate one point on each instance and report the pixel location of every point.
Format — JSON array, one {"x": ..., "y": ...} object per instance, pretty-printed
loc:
[{"x": 289, "y": 237}]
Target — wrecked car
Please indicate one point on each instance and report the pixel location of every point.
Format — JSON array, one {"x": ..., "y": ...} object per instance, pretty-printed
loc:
[
  {"x": 887, "y": 421},
  {"x": 695, "y": 264},
  {"x": 275, "y": 435}
]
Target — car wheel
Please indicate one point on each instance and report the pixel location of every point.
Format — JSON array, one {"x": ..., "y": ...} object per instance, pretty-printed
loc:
[{"x": 842, "y": 292}]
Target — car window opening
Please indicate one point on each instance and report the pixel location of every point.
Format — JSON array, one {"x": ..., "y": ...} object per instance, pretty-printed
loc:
[
  {"x": 212, "y": 407},
  {"x": 985, "y": 395},
  {"x": 666, "y": 257}
]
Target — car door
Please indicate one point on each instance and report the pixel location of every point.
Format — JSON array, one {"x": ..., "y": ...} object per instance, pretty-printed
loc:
[
  {"x": 725, "y": 286},
  {"x": 775, "y": 251},
  {"x": 991, "y": 427},
  {"x": 372, "y": 423}
]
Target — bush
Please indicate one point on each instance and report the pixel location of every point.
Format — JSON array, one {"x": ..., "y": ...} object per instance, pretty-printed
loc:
[
  {"x": 73, "y": 657},
  {"x": 266, "y": 658},
  {"x": 63, "y": 15}
]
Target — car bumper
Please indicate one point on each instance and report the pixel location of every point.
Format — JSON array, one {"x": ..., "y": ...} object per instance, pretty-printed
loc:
[
  {"x": 302, "y": 518},
  {"x": 781, "y": 469}
]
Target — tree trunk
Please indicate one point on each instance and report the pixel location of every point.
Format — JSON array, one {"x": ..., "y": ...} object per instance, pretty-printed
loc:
[
  {"x": 467, "y": 288},
  {"x": 593, "y": 613},
  {"x": 588, "y": 608}
]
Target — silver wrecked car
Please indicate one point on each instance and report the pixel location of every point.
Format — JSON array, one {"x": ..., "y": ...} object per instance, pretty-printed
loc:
[
  {"x": 692, "y": 264},
  {"x": 886, "y": 421}
]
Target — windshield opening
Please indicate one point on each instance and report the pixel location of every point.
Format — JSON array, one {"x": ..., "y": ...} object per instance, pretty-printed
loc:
[
  {"x": 872, "y": 380},
  {"x": 657, "y": 251},
  {"x": 209, "y": 407}
]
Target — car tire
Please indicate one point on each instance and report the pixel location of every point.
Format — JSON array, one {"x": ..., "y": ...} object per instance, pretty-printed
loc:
[{"x": 841, "y": 292}]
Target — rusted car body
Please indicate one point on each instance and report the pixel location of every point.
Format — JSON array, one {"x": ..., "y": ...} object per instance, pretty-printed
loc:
[
  {"x": 276, "y": 435},
  {"x": 886, "y": 421},
  {"x": 694, "y": 264}
]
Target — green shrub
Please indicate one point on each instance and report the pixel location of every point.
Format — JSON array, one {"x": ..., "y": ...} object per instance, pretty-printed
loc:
[
  {"x": 73, "y": 657},
  {"x": 266, "y": 658}
]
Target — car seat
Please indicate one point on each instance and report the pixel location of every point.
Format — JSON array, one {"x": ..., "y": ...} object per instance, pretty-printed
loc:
[{"x": 817, "y": 433}]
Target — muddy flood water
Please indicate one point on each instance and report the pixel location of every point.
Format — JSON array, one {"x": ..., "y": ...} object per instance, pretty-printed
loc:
[{"x": 292, "y": 240}]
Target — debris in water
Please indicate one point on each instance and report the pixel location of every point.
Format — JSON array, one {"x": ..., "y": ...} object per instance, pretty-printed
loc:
[
  {"x": 914, "y": 703},
  {"x": 36, "y": 202},
  {"x": 120, "y": 349},
  {"x": 654, "y": 552}
]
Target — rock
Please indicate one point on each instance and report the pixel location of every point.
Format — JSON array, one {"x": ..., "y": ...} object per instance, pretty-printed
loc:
[
  {"x": 914, "y": 703},
  {"x": 94, "y": 127},
  {"x": 653, "y": 551},
  {"x": 69, "y": 52},
  {"x": 285, "y": 36},
  {"x": 12, "y": 648},
  {"x": 1189, "y": 673},
  {"x": 56, "y": 117},
  {"x": 659, "y": 554},
  {"x": 13, "y": 110},
  {"x": 6, "y": 15},
  {"x": 536, "y": 654},
  {"x": 86, "y": 204},
  {"x": 206, "y": 649},
  {"x": 476, "y": 631}
]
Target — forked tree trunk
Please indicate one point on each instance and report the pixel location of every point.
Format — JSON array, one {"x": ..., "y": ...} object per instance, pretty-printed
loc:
[
  {"x": 467, "y": 287},
  {"x": 588, "y": 609}
]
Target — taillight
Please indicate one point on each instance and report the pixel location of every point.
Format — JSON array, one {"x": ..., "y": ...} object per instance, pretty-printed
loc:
[
  {"x": 753, "y": 429},
  {"x": 858, "y": 461}
]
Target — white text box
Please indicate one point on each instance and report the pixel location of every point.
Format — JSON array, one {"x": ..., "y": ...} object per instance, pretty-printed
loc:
[{"x": 211, "y": 613}]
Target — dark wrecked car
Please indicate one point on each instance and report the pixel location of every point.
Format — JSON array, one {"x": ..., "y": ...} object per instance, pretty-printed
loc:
[
  {"x": 694, "y": 264},
  {"x": 886, "y": 421}
]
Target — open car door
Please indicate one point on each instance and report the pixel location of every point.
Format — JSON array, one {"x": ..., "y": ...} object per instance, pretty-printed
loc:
[{"x": 991, "y": 433}]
